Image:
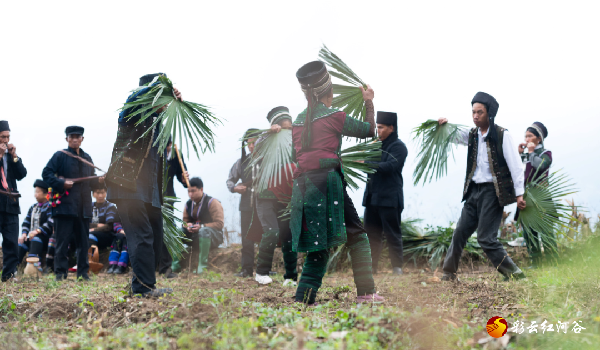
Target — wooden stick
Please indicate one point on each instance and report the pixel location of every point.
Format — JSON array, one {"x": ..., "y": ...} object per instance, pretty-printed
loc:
[
  {"x": 187, "y": 182},
  {"x": 10, "y": 194}
]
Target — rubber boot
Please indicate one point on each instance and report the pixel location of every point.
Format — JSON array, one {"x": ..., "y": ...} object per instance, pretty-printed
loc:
[
  {"x": 204, "y": 245},
  {"x": 176, "y": 265}
]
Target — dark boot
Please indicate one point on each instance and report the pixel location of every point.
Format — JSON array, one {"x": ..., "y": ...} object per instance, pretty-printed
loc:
[
  {"x": 111, "y": 269},
  {"x": 119, "y": 270}
]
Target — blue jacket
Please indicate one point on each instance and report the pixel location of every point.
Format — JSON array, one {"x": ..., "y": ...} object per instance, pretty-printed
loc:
[{"x": 385, "y": 187}]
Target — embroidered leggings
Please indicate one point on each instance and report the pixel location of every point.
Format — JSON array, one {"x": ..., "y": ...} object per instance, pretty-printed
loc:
[
  {"x": 274, "y": 228},
  {"x": 315, "y": 266}
]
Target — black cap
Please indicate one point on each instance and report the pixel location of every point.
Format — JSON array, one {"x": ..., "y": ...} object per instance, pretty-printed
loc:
[
  {"x": 277, "y": 114},
  {"x": 148, "y": 78},
  {"x": 312, "y": 73},
  {"x": 387, "y": 118},
  {"x": 489, "y": 101},
  {"x": 41, "y": 184},
  {"x": 4, "y": 125},
  {"x": 70, "y": 130}
]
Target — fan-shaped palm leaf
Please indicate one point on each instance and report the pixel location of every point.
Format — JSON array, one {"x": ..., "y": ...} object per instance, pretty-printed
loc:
[
  {"x": 190, "y": 121},
  {"x": 545, "y": 211},
  {"x": 273, "y": 155},
  {"x": 173, "y": 236},
  {"x": 346, "y": 98},
  {"x": 435, "y": 142},
  {"x": 356, "y": 161}
]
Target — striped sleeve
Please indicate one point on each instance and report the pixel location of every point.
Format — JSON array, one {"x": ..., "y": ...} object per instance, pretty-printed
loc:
[
  {"x": 27, "y": 222},
  {"x": 110, "y": 216},
  {"x": 48, "y": 226}
]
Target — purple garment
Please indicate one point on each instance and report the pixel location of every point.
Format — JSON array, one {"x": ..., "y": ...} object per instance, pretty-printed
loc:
[{"x": 532, "y": 173}]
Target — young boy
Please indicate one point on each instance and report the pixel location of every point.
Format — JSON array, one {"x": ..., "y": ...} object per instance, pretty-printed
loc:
[
  {"x": 37, "y": 226},
  {"x": 107, "y": 232}
]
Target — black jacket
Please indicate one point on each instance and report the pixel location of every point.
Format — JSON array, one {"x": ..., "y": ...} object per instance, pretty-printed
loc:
[
  {"x": 384, "y": 188},
  {"x": 15, "y": 172},
  {"x": 174, "y": 171},
  {"x": 79, "y": 200}
]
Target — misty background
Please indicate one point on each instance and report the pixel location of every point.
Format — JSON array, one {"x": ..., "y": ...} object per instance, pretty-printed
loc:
[{"x": 74, "y": 63}]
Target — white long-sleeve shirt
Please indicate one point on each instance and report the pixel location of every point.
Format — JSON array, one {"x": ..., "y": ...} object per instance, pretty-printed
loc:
[{"x": 483, "y": 172}]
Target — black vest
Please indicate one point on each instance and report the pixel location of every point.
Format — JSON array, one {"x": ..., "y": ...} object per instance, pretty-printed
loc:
[
  {"x": 502, "y": 179},
  {"x": 200, "y": 213}
]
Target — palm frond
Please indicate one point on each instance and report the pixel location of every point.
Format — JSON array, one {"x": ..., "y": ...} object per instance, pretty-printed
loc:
[
  {"x": 346, "y": 98},
  {"x": 352, "y": 162},
  {"x": 545, "y": 211},
  {"x": 273, "y": 155},
  {"x": 435, "y": 143},
  {"x": 192, "y": 122},
  {"x": 173, "y": 236}
]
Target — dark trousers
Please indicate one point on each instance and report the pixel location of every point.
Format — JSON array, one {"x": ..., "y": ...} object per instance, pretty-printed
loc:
[
  {"x": 534, "y": 247},
  {"x": 274, "y": 227},
  {"x": 165, "y": 261},
  {"x": 68, "y": 229},
  {"x": 9, "y": 226},
  {"x": 247, "y": 245},
  {"x": 33, "y": 247},
  {"x": 144, "y": 227},
  {"x": 481, "y": 212},
  {"x": 380, "y": 221},
  {"x": 103, "y": 239}
]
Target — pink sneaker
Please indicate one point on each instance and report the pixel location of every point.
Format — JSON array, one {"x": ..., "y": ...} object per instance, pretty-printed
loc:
[{"x": 370, "y": 298}]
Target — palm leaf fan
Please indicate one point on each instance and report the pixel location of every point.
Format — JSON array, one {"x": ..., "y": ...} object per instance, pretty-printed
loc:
[
  {"x": 172, "y": 234},
  {"x": 192, "y": 122},
  {"x": 346, "y": 98},
  {"x": 545, "y": 211},
  {"x": 435, "y": 143},
  {"x": 273, "y": 155},
  {"x": 353, "y": 158}
]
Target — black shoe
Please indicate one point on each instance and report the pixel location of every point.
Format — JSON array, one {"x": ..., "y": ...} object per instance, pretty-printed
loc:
[
  {"x": 119, "y": 270},
  {"x": 60, "y": 277},
  {"x": 111, "y": 269},
  {"x": 450, "y": 277},
  {"x": 397, "y": 271},
  {"x": 84, "y": 278},
  {"x": 155, "y": 293},
  {"x": 169, "y": 274},
  {"x": 244, "y": 274}
]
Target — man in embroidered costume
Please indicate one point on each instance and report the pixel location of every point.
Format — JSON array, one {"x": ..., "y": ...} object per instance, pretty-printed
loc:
[
  {"x": 384, "y": 196},
  {"x": 11, "y": 171},
  {"x": 537, "y": 162},
  {"x": 323, "y": 215},
  {"x": 494, "y": 179},
  {"x": 72, "y": 211},
  {"x": 270, "y": 205},
  {"x": 107, "y": 232},
  {"x": 173, "y": 170},
  {"x": 203, "y": 222},
  {"x": 37, "y": 226},
  {"x": 135, "y": 180},
  {"x": 250, "y": 225}
]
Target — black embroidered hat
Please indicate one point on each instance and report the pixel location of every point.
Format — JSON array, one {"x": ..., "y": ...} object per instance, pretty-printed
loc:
[
  {"x": 539, "y": 130},
  {"x": 41, "y": 184},
  {"x": 249, "y": 134},
  {"x": 387, "y": 118},
  {"x": 148, "y": 78},
  {"x": 4, "y": 125},
  {"x": 314, "y": 78},
  {"x": 277, "y": 114},
  {"x": 70, "y": 130}
]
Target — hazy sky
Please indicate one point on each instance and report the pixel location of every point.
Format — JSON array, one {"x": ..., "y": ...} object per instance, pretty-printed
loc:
[{"x": 66, "y": 63}]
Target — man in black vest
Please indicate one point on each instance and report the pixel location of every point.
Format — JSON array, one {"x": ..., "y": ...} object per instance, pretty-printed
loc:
[
  {"x": 203, "y": 217},
  {"x": 250, "y": 224},
  {"x": 173, "y": 170},
  {"x": 135, "y": 181},
  {"x": 490, "y": 184},
  {"x": 384, "y": 197},
  {"x": 72, "y": 211},
  {"x": 11, "y": 171}
]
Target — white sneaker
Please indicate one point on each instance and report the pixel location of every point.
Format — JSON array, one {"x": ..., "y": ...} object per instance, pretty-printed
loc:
[
  {"x": 289, "y": 283},
  {"x": 263, "y": 279}
]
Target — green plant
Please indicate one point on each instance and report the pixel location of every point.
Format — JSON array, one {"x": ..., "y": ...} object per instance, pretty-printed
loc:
[
  {"x": 273, "y": 152},
  {"x": 347, "y": 98},
  {"x": 355, "y": 159},
  {"x": 435, "y": 142},
  {"x": 545, "y": 211},
  {"x": 188, "y": 120}
]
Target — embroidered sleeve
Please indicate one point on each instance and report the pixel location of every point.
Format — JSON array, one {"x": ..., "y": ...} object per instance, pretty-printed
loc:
[
  {"x": 355, "y": 128},
  {"x": 48, "y": 225},
  {"x": 27, "y": 222}
]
